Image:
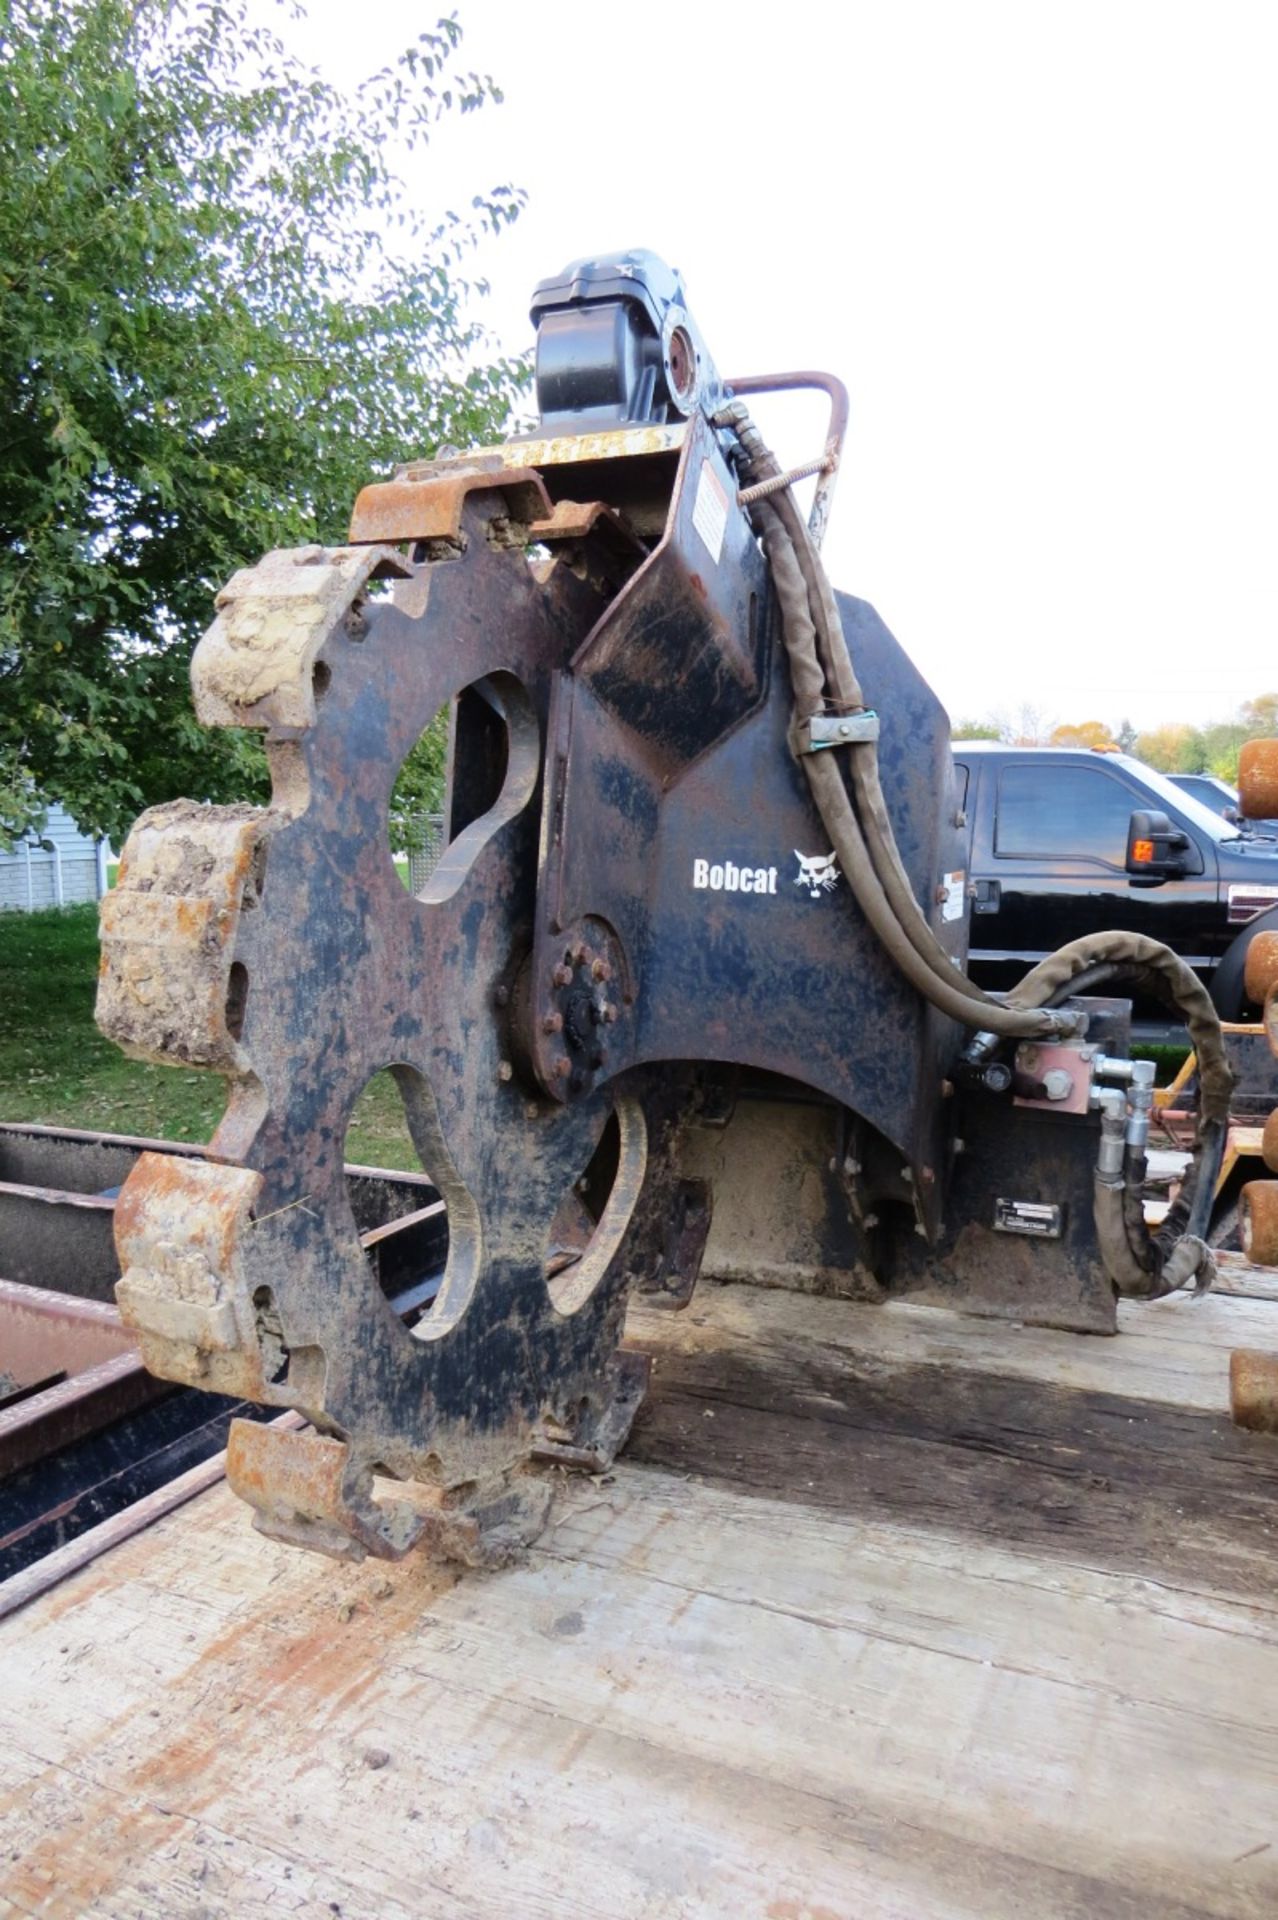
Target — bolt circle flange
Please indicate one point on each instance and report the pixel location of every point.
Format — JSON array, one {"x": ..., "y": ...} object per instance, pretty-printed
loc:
[{"x": 574, "y": 1010}]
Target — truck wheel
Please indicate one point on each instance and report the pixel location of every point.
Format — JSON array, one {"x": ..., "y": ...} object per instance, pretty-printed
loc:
[
  {"x": 1231, "y": 983},
  {"x": 1259, "y": 1222}
]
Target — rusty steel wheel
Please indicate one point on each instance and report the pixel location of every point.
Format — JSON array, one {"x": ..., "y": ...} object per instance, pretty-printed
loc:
[
  {"x": 1258, "y": 780},
  {"x": 1253, "y": 1390},
  {"x": 1261, "y": 976},
  {"x": 279, "y": 946},
  {"x": 1259, "y": 1222}
]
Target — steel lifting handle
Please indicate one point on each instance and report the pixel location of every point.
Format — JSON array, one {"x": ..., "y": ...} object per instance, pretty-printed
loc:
[{"x": 837, "y": 394}]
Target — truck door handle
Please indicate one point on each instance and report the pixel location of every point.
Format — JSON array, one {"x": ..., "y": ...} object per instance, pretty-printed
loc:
[{"x": 985, "y": 896}]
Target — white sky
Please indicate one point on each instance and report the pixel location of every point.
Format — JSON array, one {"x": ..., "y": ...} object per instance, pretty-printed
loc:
[{"x": 1038, "y": 243}]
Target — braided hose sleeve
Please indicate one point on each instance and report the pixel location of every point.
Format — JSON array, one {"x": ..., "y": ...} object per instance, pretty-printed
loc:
[
  {"x": 1152, "y": 1265},
  {"x": 841, "y": 824},
  {"x": 944, "y": 988},
  {"x": 823, "y": 673},
  {"x": 822, "y": 628},
  {"x": 1189, "y": 1258},
  {"x": 1145, "y": 962},
  {"x": 876, "y": 821}
]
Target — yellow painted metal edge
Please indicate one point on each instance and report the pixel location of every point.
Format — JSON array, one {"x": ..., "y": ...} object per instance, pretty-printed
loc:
[{"x": 562, "y": 450}]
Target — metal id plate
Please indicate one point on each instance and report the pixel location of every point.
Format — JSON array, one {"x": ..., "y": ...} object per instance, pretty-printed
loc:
[{"x": 1027, "y": 1216}]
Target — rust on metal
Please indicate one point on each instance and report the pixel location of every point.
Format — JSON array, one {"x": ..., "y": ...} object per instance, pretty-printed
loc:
[
  {"x": 430, "y": 507},
  {"x": 306, "y": 969},
  {"x": 1261, "y": 976},
  {"x": 573, "y": 520},
  {"x": 1253, "y": 1389},
  {"x": 610, "y": 938},
  {"x": 180, "y": 1226},
  {"x": 827, "y": 469},
  {"x": 257, "y": 664},
  {"x": 305, "y": 1489},
  {"x": 1258, "y": 1216},
  {"x": 1071, "y": 1082},
  {"x": 1258, "y": 780},
  {"x": 168, "y": 932},
  {"x": 71, "y": 1366},
  {"x": 564, "y": 449}
]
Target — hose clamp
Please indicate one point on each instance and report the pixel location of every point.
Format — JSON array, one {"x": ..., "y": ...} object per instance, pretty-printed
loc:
[{"x": 836, "y": 730}]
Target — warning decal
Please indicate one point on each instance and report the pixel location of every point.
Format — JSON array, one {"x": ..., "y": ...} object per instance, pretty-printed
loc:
[{"x": 710, "y": 510}]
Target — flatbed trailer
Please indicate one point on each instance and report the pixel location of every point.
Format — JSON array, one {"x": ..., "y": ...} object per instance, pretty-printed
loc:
[{"x": 883, "y": 1612}]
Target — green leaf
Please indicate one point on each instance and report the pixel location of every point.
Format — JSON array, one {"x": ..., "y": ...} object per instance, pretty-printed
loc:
[{"x": 220, "y": 315}]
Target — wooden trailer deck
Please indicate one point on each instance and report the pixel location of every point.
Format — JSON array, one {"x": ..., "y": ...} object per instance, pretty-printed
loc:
[{"x": 885, "y": 1613}]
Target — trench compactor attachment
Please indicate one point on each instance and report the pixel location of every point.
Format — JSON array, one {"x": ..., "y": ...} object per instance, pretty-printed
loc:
[{"x": 687, "y": 984}]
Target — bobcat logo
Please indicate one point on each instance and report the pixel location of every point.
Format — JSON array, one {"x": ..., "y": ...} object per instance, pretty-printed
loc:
[{"x": 819, "y": 875}]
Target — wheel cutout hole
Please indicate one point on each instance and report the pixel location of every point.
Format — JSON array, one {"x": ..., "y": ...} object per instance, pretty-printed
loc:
[
  {"x": 593, "y": 1215},
  {"x": 236, "y": 999},
  {"x": 270, "y": 1338},
  {"x": 471, "y": 770},
  {"x": 400, "y": 1215}
]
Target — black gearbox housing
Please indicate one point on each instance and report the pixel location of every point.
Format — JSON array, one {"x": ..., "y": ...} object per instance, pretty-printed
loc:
[{"x": 617, "y": 346}]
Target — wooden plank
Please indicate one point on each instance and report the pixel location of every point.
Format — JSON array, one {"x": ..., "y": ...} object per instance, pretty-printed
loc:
[
  {"x": 1175, "y": 1351},
  {"x": 686, "y": 1702},
  {"x": 1127, "y": 1483},
  {"x": 1235, "y": 1275},
  {"x": 848, "y": 1634}
]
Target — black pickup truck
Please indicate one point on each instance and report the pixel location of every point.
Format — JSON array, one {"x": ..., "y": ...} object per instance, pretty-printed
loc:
[{"x": 1064, "y": 842}]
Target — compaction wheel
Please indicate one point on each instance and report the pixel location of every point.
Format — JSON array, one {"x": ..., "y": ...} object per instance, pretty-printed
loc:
[{"x": 279, "y": 945}]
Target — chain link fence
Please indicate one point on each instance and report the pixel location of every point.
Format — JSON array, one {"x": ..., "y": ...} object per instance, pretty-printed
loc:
[{"x": 422, "y": 863}]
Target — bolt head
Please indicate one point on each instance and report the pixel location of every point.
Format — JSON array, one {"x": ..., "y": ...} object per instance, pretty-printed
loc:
[
  {"x": 505, "y": 1071},
  {"x": 553, "y": 1023},
  {"x": 562, "y": 976}
]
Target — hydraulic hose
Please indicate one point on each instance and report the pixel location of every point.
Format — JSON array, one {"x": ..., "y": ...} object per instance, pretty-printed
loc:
[
  {"x": 1140, "y": 1263},
  {"x": 822, "y": 666},
  {"x": 824, "y": 679},
  {"x": 879, "y": 884},
  {"x": 886, "y": 874}
]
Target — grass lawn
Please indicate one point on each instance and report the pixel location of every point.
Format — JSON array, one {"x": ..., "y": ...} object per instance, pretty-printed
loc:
[{"x": 55, "y": 1067}]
